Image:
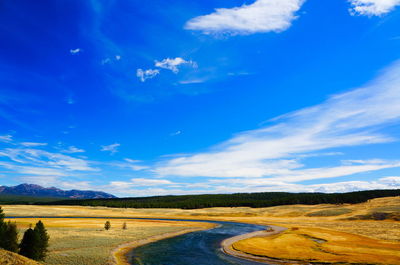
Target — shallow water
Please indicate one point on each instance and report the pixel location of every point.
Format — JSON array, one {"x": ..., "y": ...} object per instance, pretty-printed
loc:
[{"x": 197, "y": 248}]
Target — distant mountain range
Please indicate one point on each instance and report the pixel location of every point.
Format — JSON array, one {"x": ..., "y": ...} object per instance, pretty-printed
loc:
[{"x": 39, "y": 191}]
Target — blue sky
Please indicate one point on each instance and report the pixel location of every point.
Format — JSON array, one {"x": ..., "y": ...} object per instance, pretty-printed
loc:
[{"x": 185, "y": 97}]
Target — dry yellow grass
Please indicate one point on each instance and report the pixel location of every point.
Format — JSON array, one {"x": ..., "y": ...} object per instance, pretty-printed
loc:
[
  {"x": 332, "y": 217},
  {"x": 10, "y": 258},
  {"x": 321, "y": 245},
  {"x": 85, "y": 242}
]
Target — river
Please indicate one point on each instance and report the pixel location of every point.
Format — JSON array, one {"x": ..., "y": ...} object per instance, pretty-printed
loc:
[{"x": 197, "y": 248}]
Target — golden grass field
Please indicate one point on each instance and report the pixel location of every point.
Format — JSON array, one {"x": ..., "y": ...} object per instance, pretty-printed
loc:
[
  {"x": 10, "y": 258},
  {"x": 322, "y": 245},
  {"x": 334, "y": 218},
  {"x": 85, "y": 242}
]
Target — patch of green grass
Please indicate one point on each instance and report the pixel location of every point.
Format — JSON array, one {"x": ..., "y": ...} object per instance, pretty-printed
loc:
[{"x": 330, "y": 212}]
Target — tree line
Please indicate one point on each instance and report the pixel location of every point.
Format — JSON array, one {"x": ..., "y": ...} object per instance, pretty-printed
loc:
[
  {"x": 255, "y": 200},
  {"x": 34, "y": 242}
]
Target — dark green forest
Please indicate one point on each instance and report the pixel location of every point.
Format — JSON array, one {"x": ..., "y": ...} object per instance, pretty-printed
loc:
[
  {"x": 20, "y": 199},
  {"x": 255, "y": 200}
]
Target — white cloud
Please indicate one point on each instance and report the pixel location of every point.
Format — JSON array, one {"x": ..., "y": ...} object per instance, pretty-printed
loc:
[
  {"x": 151, "y": 187},
  {"x": 34, "y": 170},
  {"x": 348, "y": 119},
  {"x": 141, "y": 182},
  {"x": 192, "y": 81},
  {"x": 6, "y": 138},
  {"x": 261, "y": 16},
  {"x": 131, "y": 164},
  {"x": 75, "y": 51},
  {"x": 40, "y": 162},
  {"x": 32, "y": 144},
  {"x": 44, "y": 181},
  {"x": 143, "y": 75},
  {"x": 333, "y": 172},
  {"x": 76, "y": 185},
  {"x": 176, "y": 133},
  {"x": 355, "y": 186},
  {"x": 113, "y": 148},
  {"x": 72, "y": 150},
  {"x": 390, "y": 181},
  {"x": 264, "y": 184},
  {"x": 372, "y": 7},
  {"x": 173, "y": 64},
  {"x": 110, "y": 59}
]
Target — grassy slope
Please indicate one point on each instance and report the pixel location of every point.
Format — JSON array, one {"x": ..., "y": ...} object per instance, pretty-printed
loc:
[{"x": 10, "y": 258}]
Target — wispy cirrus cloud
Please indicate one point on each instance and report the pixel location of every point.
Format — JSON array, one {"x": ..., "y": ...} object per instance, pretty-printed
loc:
[
  {"x": 72, "y": 150},
  {"x": 372, "y": 7},
  {"x": 260, "y": 16},
  {"x": 32, "y": 144},
  {"x": 134, "y": 165},
  {"x": 112, "y": 148},
  {"x": 348, "y": 119},
  {"x": 28, "y": 159},
  {"x": 6, "y": 138}
]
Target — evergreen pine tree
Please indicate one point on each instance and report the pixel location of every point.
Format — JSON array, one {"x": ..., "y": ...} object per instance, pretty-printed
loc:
[
  {"x": 43, "y": 240},
  {"x": 2, "y": 215},
  {"x": 2, "y": 228},
  {"x": 29, "y": 245},
  {"x": 107, "y": 225},
  {"x": 9, "y": 241},
  {"x": 124, "y": 226}
]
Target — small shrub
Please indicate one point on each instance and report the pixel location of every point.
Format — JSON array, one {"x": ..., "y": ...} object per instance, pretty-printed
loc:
[{"x": 107, "y": 225}]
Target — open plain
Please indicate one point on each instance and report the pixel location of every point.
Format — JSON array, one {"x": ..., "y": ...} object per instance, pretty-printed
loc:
[{"x": 371, "y": 226}]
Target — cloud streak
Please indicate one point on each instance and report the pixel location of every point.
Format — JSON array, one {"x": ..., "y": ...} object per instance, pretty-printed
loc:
[
  {"x": 72, "y": 150},
  {"x": 6, "y": 138},
  {"x": 348, "y": 119},
  {"x": 32, "y": 144},
  {"x": 112, "y": 148}
]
